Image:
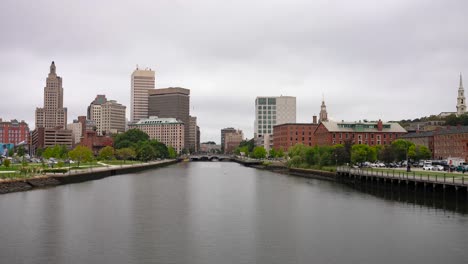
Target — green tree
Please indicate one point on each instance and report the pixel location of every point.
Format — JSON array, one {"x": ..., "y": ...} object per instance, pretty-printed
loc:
[
  {"x": 249, "y": 144},
  {"x": 259, "y": 152},
  {"x": 161, "y": 150},
  {"x": 126, "y": 153},
  {"x": 6, "y": 163},
  {"x": 106, "y": 153},
  {"x": 340, "y": 154},
  {"x": 81, "y": 154},
  {"x": 39, "y": 152},
  {"x": 423, "y": 152},
  {"x": 129, "y": 138},
  {"x": 387, "y": 154},
  {"x": 359, "y": 153},
  {"x": 297, "y": 150},
  {"x": 172, "y": 154},
  {"x": 272, "y": 153},
  {"x": 280, "y": 153},
  {"x": 21, "y": 151},
  {"x": 401, "y": 148},
  {"x": 146, "y": 152}
]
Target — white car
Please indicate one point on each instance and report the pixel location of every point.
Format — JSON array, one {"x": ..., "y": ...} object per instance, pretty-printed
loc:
[
  {"x": 438, "y": 168},
  {"x": 428, "y": 167}
]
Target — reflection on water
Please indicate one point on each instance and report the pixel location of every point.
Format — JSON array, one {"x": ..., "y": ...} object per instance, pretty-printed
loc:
[{"x": 222, "y": 212}]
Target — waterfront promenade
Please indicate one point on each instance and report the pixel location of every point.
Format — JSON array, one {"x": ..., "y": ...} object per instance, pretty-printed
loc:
[
  {"x": 434, "y": 180},
  {"x": 77, "y": 176}
]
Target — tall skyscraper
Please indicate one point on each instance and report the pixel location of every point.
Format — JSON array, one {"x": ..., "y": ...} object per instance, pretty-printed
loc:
[
  {"x": 171, "y": 102},
  {"x": 271, "y": 111},
  {"x": 142, "y": 82},
  {"x": 109, "y": 116},
  {"x": 192, "y": 141},
  {"x": 51, "y": 120},
  {"x": 53, "y": 114},
  {"x": 461, "y": 102}
]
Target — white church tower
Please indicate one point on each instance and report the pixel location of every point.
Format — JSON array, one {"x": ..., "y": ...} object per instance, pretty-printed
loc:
[{"x": 461, "y": 102}]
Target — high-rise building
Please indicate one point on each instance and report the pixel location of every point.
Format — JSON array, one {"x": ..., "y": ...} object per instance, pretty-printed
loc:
[
  {"x": 142, "y": 82},
  {"x": 53, "y": 114},
  {"x": 192, "y": 141},
  {"x": 109, "y": 116},
  {"x": 223, "y": 135},
  {"x": 171, "y": 102},
  {"x": 232, "y": 141},
  {"x": 461, "y": 102},
  {"x": 271, "y": 111},
  {"x": 51, "y": 120},
  {"x": 13, "y": 132},
  {"x": 198, "y": 138},
  {"x": 169, "y": 131}
]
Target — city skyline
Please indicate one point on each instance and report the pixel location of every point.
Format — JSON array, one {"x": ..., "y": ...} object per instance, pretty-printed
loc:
[{"x": 362, "y": 75}]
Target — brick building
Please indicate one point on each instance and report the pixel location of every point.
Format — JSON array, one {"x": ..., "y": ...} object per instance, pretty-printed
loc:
[
  {"x": 232, "y": 140},
  {"x": 95, "y": 142},
  {"x": 368, "y": 133},
  {"x": 451, "y": 142},
  {"x": 290, "y": 134},
  {"x": 422, "y": 138},
  {"x": 49, "y": 137},
  {"x": 13, "y": 132}
]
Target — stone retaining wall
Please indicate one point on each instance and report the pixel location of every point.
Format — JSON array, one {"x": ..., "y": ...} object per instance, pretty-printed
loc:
[{"x": 18, "y": 185}]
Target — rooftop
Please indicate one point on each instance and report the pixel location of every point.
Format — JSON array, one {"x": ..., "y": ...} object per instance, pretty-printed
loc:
[
  {"x": 363, "y": 127},
  {"x": 154, "y": 120}
]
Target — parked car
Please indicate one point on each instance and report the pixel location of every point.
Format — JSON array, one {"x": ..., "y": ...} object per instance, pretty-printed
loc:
[
  {"x": 438, "y": 168},
  {"x": 462, "y": 168},
  {"x": 427, "y": 167}
]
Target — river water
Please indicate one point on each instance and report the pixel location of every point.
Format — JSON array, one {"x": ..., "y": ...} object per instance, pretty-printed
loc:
[{"x": 221, "y": 212}]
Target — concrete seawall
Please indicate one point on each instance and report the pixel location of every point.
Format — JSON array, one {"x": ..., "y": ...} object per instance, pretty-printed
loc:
[{"x": 18, "y": 185}]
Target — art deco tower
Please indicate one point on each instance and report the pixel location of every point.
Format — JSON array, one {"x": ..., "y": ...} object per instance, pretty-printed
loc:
[
  {"x": 461, "y": 102},
  {"x": 53, "y": 114}
]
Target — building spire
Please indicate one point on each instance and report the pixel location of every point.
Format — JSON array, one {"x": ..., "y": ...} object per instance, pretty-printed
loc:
[
  {"x": 52, "y": 68},
  {"x": 461, "y": 81}
]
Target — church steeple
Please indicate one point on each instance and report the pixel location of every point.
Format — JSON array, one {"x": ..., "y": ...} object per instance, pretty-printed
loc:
[
  {"x": 461, "y": 102},
  {"x": 323, "y": 111},
  {"x": 461, "y": 82}
]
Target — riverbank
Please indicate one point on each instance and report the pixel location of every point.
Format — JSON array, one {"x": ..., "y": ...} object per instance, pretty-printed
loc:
[
  {"x": 48, "y": 180},
  {"x": 299, "y": 172}
]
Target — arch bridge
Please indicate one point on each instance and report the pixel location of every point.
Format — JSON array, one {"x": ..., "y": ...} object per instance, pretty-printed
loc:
[{"x": 209, "y": 157}]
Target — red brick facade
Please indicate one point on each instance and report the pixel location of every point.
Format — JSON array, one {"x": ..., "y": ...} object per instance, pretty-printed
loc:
[
  {"x": 95, "y": 142},
  {"x": 288, "y": 135},
  {"x": 451, "y": 142},
  {"x": 372, "y": 137},
  {"x": 13, "y": 132}
]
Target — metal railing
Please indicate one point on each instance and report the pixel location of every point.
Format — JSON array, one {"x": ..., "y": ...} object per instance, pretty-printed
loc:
[{"x": 451, "y": 179}]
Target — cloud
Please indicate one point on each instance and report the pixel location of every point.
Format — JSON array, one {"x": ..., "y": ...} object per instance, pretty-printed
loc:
[{"x": 391, "y": 59}]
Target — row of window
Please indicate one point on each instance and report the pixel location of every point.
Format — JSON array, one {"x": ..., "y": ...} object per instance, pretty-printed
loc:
[
  {"x": 347, "y": 135},
  {"x": 378, "y": 142},
  {"x": 270, "y": 107},
  {"x": 267, "y": 117}
]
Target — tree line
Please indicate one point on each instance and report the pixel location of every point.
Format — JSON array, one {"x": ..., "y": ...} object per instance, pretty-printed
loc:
[
  {"x": 339, "y": 154},
  {"x": 134, "y": 144}
]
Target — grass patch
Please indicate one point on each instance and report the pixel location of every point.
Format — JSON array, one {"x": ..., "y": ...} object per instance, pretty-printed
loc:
[{"x": 121, "y": 162}]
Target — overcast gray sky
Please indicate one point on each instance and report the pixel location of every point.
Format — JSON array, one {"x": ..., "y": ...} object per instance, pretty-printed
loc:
[{"x": 386, "y": 59}]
